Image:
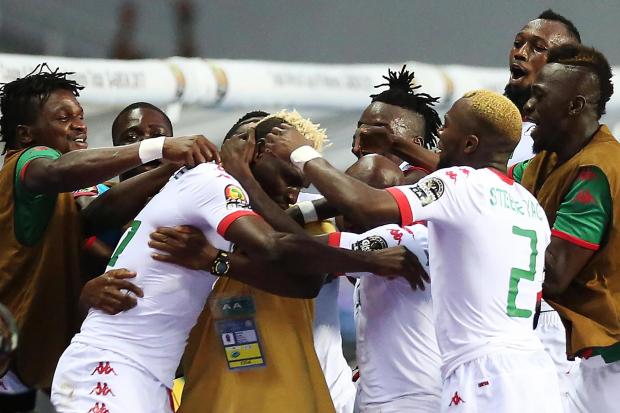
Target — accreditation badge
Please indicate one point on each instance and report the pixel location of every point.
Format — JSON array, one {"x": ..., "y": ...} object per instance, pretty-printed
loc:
[{"x": 235, "y": 323}]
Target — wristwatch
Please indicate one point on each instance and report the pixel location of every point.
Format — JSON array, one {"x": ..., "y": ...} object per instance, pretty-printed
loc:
[{"x": 221, "y": 264}]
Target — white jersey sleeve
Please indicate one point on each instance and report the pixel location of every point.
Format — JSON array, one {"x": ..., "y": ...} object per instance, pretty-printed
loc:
[
  {"x": 213, "y": 196},
  {"x": 438, "y": 197},
  {"x": 524, "y": 150},
  {"x": 414, "y": 238}
]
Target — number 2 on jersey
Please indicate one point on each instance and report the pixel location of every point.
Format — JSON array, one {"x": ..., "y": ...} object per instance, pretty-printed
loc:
[
  {"x": 123, "y": 243},
  {"x": 516, "y": 274}
]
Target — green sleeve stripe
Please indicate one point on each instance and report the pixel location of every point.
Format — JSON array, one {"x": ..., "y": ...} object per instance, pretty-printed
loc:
[
  {"x": 30, "y": 154},
  {"x": 32, "y": 211},
  {"x": 585, "y": 212},
  {"x": 516, "y": 171}
]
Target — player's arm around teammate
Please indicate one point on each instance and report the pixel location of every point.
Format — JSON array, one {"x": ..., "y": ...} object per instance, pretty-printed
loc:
[
  {"x": 187, "y": 246},
  {"x": 109, "y": 292}
]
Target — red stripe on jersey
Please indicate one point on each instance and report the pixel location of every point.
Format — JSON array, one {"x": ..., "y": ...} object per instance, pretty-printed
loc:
[
  {"x": 22, "y": 173},
  {"x": 229, "y": 219},
  {"x": 574, "y": 240},
  {"x": 502, "y": 176},
  {"x": 511, "y": 171},
  {"x": 406, "y": 215},
  {"x": 333, "y": 239},
  {"x": 586, "y": 353},
  {"x": 412, "y": 168}
]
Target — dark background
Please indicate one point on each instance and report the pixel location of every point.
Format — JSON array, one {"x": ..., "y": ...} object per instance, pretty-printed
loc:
[{"x": 472, "y": 32}]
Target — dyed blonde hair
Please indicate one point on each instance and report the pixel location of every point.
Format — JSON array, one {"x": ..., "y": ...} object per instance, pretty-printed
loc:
[
  {"x": 497, "y": 111},
  {"x": 311, "y": 131}
]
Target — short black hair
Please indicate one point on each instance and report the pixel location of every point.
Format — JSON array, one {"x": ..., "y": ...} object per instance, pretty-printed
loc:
[
  {"x": 243, "y": 119},
  {"x": 591, "y": 59},
  {"x": 553, "y": 16},
  {"x": 401, "y": 92},
  {"x": 21, "y": 99},
  {"x": 137, "y": 105}
]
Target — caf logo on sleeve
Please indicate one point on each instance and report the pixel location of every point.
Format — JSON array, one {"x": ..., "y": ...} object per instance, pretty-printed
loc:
[
  {"x": 428, "y": 190},
  {"x": 371, "y": 243},
  {"x": 235, "y": 197}
]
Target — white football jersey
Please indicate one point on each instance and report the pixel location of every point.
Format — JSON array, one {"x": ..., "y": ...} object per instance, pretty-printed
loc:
[
  {"x": 154, "y": 333},
  {"x": 523, "y": 151},
  {"x": 487, "y": 241},
  {"x": 397, "y": 350}
]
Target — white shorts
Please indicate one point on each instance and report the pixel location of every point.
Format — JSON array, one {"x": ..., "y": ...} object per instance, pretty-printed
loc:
[
  {"x": 418, "y": 404},
  {"x": 93, "y": 380},
  {"x": 507, "y": 382},
  {"x": 552, "y": 334},
  {"x": 597, "y": 387}
]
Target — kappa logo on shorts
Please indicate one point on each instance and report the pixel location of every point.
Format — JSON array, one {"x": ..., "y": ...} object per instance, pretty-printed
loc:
[
  {"x": 102, "y": 390},
  {"x": 429, "y": 190},
  {"x": 99, "y": 408},
  {"x": 235, "y": 198},
  {"x": 371, "y": 243},
  {"x": 104, "y": 368},
  {"x": 456, "y": 399}
]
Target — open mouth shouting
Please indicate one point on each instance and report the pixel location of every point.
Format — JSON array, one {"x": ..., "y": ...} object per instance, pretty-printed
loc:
[{"x": 517, "y": 73}]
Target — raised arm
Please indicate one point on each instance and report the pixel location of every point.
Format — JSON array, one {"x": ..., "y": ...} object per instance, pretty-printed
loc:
[
  {"x": 83, "y": 168},
  {"x": 121, "y": 203},
  {"x": 209, "y": 196},
  {"x": 359, "y": 202},
  {"x": 378, "y": 139},
  {"x": 237, "y": 153}
]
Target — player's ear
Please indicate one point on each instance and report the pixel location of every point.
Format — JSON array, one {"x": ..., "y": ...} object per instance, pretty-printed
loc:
[
  {"x": 576, "y": 105},
  {"x": 418, "y": 140},
  {"x": 23, "y": 135},
  {"x": 471, "y": 144},
  {"x": 259, "y": 149}
]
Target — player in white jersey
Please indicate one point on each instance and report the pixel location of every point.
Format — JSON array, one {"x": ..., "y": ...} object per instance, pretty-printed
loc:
[
  {"x": 396, "y": 347},
  {"x": 487, "y": 237},
  {"x": 523, "y": 151},
  {"x": 127, "y": 362}
]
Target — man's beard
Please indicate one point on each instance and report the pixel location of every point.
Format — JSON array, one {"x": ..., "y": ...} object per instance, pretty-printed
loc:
[
  {"x": 538, "y": 147},
  {"x": 518, "y": 96},
  {"x": 546, "y": 143}
]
